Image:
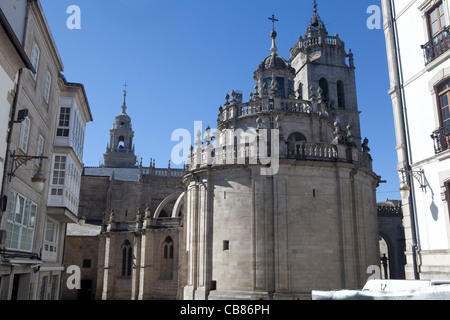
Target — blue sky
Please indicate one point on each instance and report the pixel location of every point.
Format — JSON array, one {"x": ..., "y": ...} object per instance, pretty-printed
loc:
[{"x": 181, "y": 57}]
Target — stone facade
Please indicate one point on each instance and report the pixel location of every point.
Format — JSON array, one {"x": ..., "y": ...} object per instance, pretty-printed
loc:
[
  {"x": 285, "y": 203},
  {"x": 132, "y": 234}
]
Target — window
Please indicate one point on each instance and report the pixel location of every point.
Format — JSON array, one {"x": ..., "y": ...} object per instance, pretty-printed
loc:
[
  {"x": 280, "y": 81},
  {"x": 64, "y": 122},
  {"x": 444, "y": 98},
  {"x": 40, "y": 149},
  {"x": 86, "y": 263},
  {"x": 441, "y": 136},
  {"x": 166, "y": 272},
  {"x": 226, "y": 245},
  {"x": 47, "y": 87},
  {"x": 77, "y": 134},
  {"x": 59, "y": 170},
  {"x": 43, "y": 291},
  {"x": 438, "y": 32},
  {"x": 50, "y": 241},
  {"x": 24, "y": 135},
  {"x": 35, "y": 59},
  {"x": 436, "y": 19},
  {"x": 323, "y": 84},
  {"x": 127, "y": 261},
  {"x": 20, "y": 223},
  {"x": 54, "y": 288},
  {"x": 341, "y": 95}
]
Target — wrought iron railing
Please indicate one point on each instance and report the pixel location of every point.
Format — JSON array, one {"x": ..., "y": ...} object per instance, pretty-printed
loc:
[
  {"x": 441, "y": 139},
  {"x": 437, "y": 46}
]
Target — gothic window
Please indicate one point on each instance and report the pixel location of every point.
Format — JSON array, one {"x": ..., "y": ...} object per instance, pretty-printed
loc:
[
  {"x": 323, "y": 84},
  {"x": 294, "y": 147},
  {"x": 127, "y": 258},
  {"x": 166, "y": 271},
  {"x": 341, "y": 95}
]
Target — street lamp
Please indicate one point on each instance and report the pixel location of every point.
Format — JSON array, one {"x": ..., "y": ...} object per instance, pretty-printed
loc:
[
  {"x": 404, "y": 190},
  {"x": 38, "y": 180}
]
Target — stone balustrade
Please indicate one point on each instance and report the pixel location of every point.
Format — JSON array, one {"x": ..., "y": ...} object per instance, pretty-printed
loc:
[
  {"x": 268, "y": 103},
  {"x": 250, "y": 153}
]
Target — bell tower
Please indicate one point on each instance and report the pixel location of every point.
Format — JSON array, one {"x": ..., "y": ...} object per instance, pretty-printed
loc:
[
  {"x": 323, "y": 64},
  {"x": 120, "y": 150}
]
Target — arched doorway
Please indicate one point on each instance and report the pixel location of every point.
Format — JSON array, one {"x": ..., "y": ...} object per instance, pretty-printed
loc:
[{"x": 384, "y": 257}]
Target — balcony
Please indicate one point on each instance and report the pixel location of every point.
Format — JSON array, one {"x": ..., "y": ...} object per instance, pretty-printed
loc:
[
  {"x": 441, "y": 138},
  {"x": 437, "y": 46}
]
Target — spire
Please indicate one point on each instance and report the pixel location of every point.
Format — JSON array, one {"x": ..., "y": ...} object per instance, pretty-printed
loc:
[
  {"x": 316, "y": 22},
  {"x": 124, "y": 106},
  {"x": 273, "y": 35}
]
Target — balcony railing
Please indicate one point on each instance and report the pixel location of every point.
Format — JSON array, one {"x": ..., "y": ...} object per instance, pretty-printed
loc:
[
  {"x": 441, "y": 139},
  {"x": 437, "y": 46}
]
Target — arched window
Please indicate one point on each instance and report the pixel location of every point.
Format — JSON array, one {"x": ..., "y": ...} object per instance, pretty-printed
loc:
[
  {"x": 323, "y": 84},
  {"x": 121, "y": 142},
  {"x": 294, "y": 146},
  {"x": 166, "y": 271},
  {"x": 281, "y": 83},
  {"x": 341, "y": 95},
  {"x": 127, "y": 258}
]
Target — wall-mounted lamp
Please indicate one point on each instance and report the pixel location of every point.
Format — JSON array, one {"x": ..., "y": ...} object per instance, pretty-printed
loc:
[
  {"x": 404, "y": 187},
  {"x": 22, "y": 114},
  {"x": 38, "y": 180}
]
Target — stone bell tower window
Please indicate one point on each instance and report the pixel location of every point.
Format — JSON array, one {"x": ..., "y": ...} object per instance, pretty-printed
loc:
[
  {"x": 341, "y": 95},
  {"x": 323, "y": 84}
]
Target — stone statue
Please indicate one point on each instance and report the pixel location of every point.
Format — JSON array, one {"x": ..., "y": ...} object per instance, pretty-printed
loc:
[{"x": 365, "y": 146}]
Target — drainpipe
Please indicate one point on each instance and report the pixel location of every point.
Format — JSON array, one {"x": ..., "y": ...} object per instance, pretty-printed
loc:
[{"x": 400, "y": 118}]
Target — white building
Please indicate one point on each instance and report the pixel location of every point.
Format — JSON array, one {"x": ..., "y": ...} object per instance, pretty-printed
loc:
[
  {"x": 418, "y": 49},
  {"x": 13, "y": 60},
  {"x": 48, "y": 141}
]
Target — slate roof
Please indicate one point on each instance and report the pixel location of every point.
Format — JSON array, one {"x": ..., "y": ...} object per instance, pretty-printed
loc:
[
  {"x": 120, "y": 174},
  {"x": 90, "y": 228}
]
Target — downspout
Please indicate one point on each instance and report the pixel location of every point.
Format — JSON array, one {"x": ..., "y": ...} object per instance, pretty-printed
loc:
[{"x": 401, "y": 113}]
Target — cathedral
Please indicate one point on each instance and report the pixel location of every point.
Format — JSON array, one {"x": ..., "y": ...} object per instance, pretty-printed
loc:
[{"x": 278, "y": 201}]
